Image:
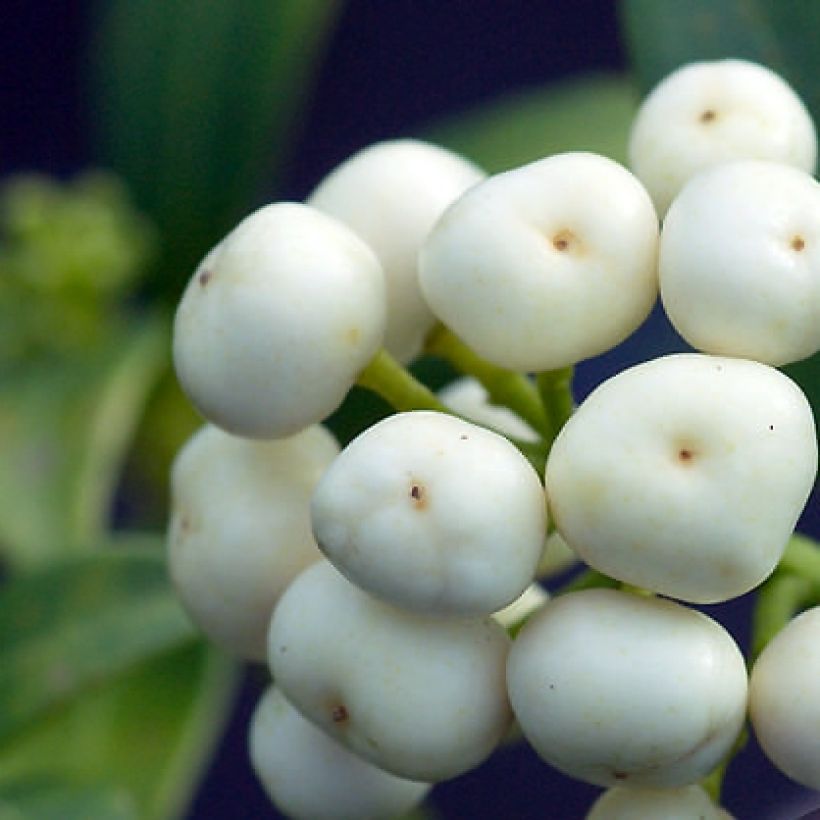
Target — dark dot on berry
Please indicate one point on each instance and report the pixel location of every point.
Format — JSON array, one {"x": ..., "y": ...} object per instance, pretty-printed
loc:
[
  {"x": 564, "y": 241},
  {"x": 619, "y": 775},
  {"x": 707, "y": 116},
  {"x": 418, "y": 495},
  {"x": 771, "y": 427},
  {"x": 464, "y": 438},
  {"x": 338, "y": 714},
  {"x": 685, "y": 455},
  {"x": 798, "y": 243},
  {"x": 204, "y": 277}
]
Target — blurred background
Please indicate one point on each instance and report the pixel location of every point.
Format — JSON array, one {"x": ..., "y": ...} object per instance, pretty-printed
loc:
[{"x": 201, "y": 111}]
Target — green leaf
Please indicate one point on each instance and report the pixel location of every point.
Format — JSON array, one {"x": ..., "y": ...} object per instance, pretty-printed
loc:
[
  {"x": 584, "y": 114},
  {"x": 51, "y": 799},
  {"x": 149, "y": 732},
  {"x": 79, "y": 623},
  {"x": 65, "y": 426},
  {"x": 199, "y": 101},
  {"x": 782, "y": 34}
]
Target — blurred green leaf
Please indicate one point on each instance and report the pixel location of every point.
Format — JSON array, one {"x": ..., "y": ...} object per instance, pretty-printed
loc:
[
  {"x": 65, "y": 426},
  {"x": 52, "y": 799},
  {"x": 80, "y": 622},
  {"x": 150, "y": 732},
  {"x": 583, "y": 114},
  {"x": 782, "y": 34},
  {"x": 199, "y": 101}
]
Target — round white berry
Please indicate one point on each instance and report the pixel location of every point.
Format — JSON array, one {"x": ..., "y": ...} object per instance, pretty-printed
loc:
[
  {"x": 784, "y": 699},
  {"x": 740, "y": 262},
  {"x": 710, "y": 112},
  {"x": 391, "y": 194},
  {"x": 685, "y": 803},
  {"x": 545, "y": 265},
  {"x": 240, "y": 529},
  {"x": 432, "y": 513},
  {"x": 685, "y": 475},
  {"x": 467, "y": 397},
  {"x": 278, "y": 321},
  {"x": 614, "y": 688},
  {"x": 421, "y": 697},
  {"x": 309, "y": 776}
]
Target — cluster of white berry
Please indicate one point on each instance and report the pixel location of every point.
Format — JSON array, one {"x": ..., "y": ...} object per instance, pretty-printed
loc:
[{"x": 382, "y": 583}]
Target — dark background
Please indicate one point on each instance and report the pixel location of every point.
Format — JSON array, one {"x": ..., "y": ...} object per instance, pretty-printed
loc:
[{"x": 391, "y": 68}]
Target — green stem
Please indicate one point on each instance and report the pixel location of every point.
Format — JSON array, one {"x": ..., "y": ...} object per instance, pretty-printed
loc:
[
  {"x": 778, "y": 600},
  {"x": 555, "y": 389},
  {"x": 713, "y": 782},
  {"x": 504, "y": 387},
  {"x": 802, "y": 558},
  {"x": 399, "y": 388}
]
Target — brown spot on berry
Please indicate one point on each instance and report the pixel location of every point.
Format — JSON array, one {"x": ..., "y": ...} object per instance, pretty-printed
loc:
[
  {"x": 797, "y": 243},
  {"x": 565, "y": 241},
  {"x": 418, "y": 495},
  {"x": 686, "y": 455},
  {"x": 339, "y": 714},
  {"x": 204, "y": 277},
  {"x": 619, "y": 775},
  {"x": 707, "y": 116}
]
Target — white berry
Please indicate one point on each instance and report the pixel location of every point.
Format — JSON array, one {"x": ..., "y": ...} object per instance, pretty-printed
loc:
[
  {"x": 685, "y": 475},
  {"x": 784, "y": 699},
  {"x": 545, "y": 265},
  {"x": 615, "y": 688},
  {"x": 740, "y": 262},
  {"x": 421, "y": 697},
  {"x": 391, "y": 194},
  {"x": 685, "y": 803},
  {"x": 710, "y": 112},
  {"x": 240, "y": 529},
  {"x": 278, "y": 321},
  {"x": 467, "y": 397},
  {"x": 309, "y": 776},
  {"x": 432, "y": 513}
]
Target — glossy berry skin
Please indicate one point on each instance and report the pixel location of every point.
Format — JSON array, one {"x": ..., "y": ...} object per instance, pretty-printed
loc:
[
  {"x": 419, "y": 696},
  {"x": 740, "y": 262},
  {"x": 309, "y": 776},
  {"x": 618, "y": 689},
  {"x": 239, "y": 530},
  {"x": 711, "y": 112},
  {"x": 784, "y": 699},
  {"x": 391, "y": 195},
  {"x": 685, "y": 475},
  {"x": 278, "y": 321},
  {"x": 545, "y": 265},
  {"x": 434, "y": 514}
]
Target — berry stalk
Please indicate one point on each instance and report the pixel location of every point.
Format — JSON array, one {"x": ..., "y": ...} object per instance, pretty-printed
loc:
[
  {"x": 398, "y": 387},
  {"x": 505, "y": 387}
]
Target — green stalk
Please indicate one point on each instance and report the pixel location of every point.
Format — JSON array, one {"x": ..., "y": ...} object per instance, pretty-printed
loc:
[
  {"x": 399, "y": 388},
  {"x": 778, "y": 601},
  {"x": 555, "y": 390},
  {"x": 802, "y": 558},
  {"x": 504, "y": 387}
]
